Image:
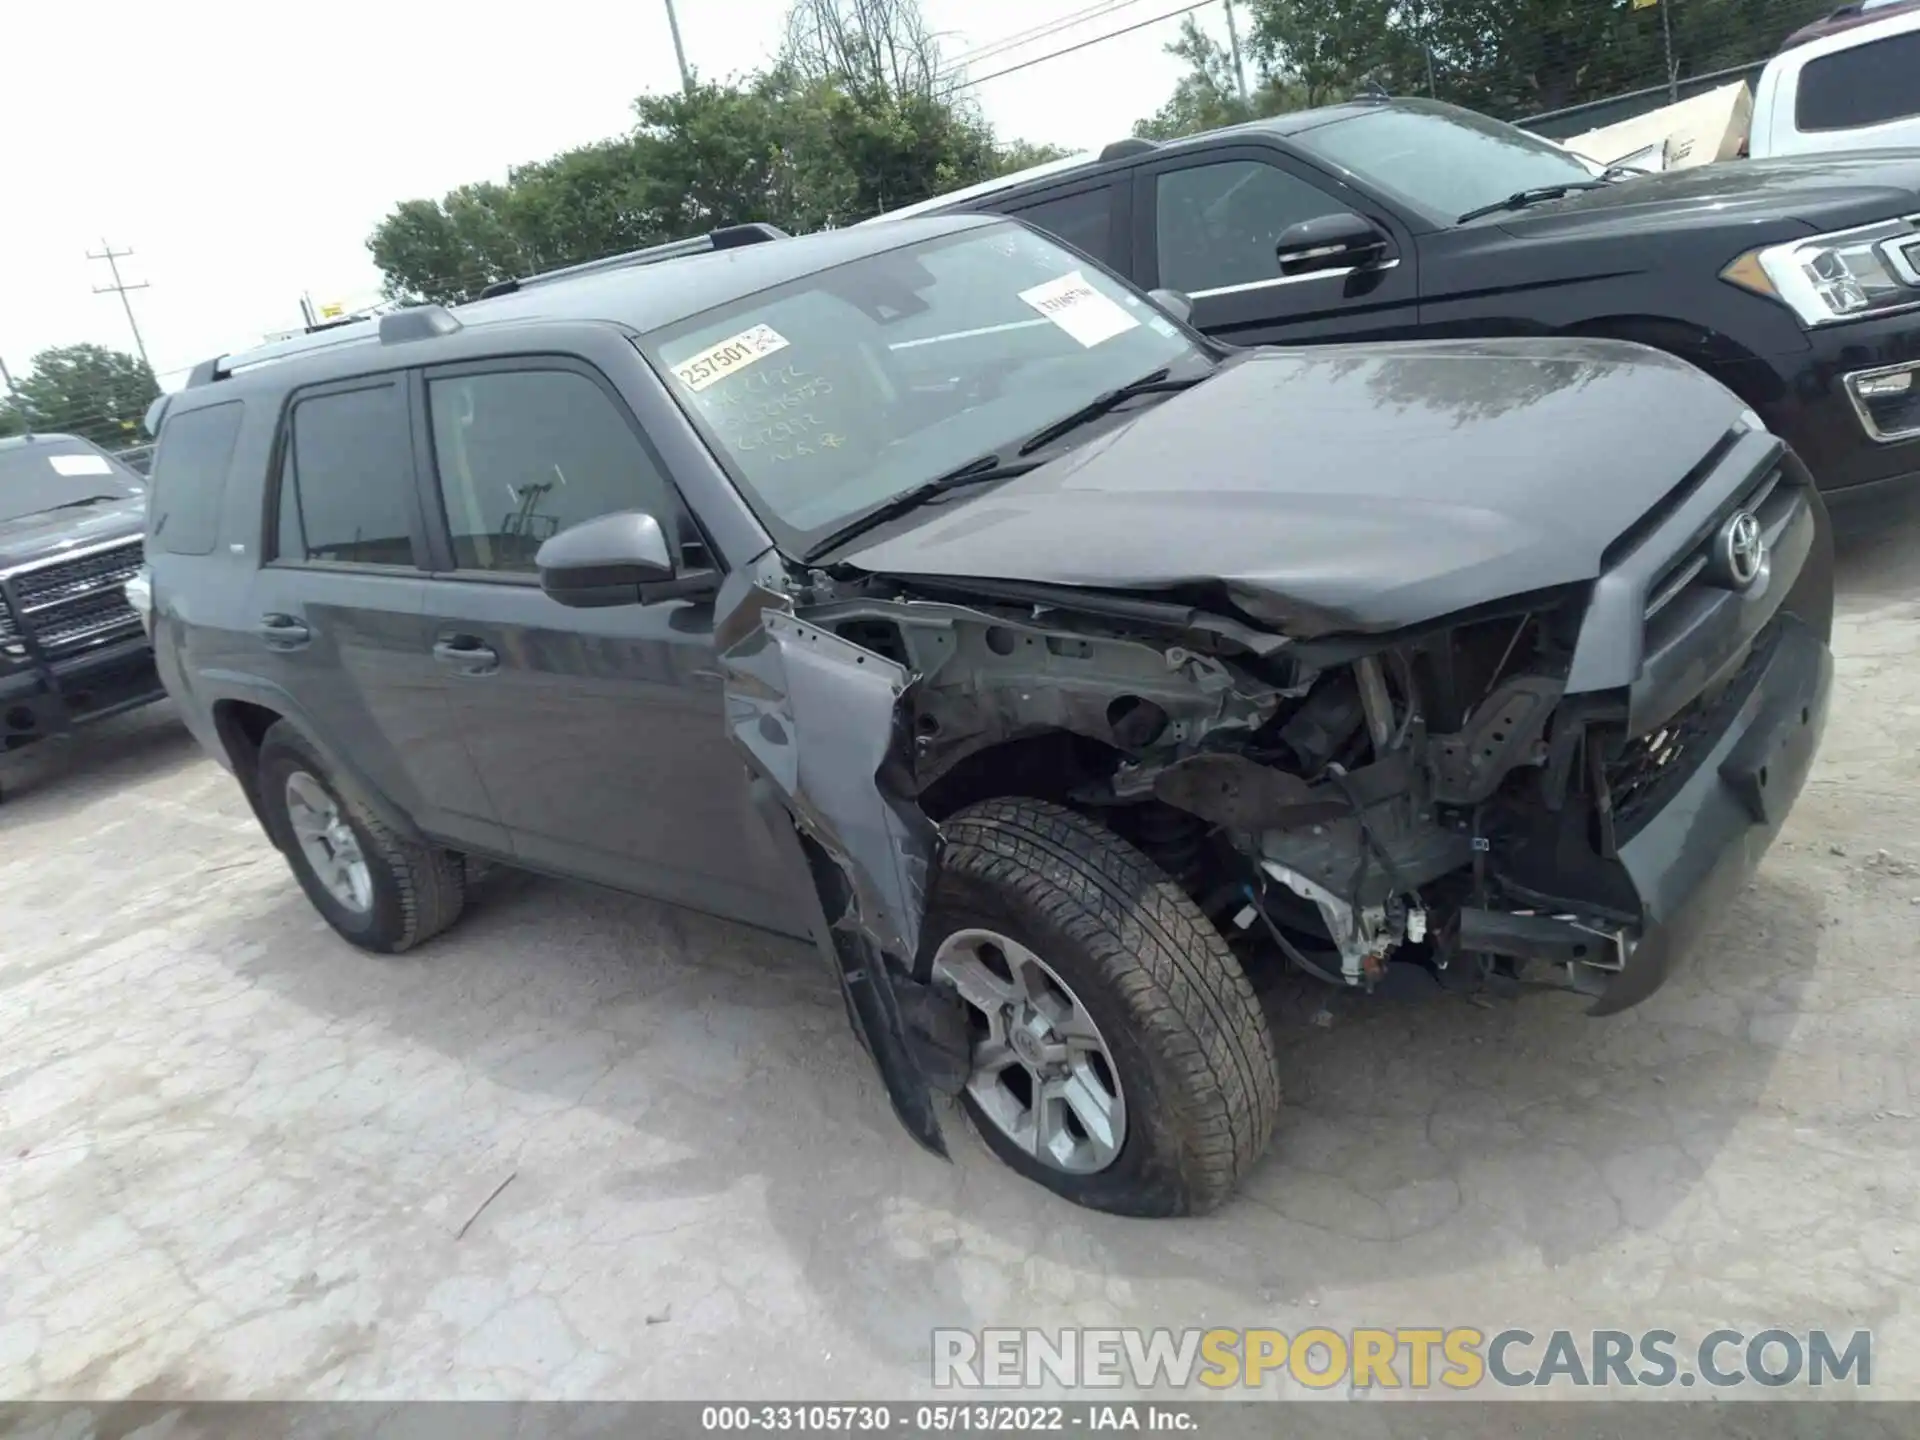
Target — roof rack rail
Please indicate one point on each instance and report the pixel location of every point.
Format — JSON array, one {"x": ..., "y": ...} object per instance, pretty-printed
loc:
[
  {"x": 1132, "y": 145},
  {"x": 727, "y": 238}
]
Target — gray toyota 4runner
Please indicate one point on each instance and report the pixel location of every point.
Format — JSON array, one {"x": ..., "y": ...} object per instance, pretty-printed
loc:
[{"x": 927, "y": 591}]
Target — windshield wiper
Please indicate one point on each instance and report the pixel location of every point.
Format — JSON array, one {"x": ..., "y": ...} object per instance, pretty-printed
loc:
[
  {"x": 1154, "y": 384},
  {"x": 983, "y": 471},
  {"x": 1520, "y": 199}
]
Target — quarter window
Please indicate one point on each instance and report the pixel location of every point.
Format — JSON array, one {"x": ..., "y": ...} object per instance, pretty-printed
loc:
[
  {"x": 1216, "y": 225},
  {"x": 190, "y": 477},
  {"x": 523, "y": 454},
  {"x": 346, "y": 480},
  {"x": 1868, "y": 84}
]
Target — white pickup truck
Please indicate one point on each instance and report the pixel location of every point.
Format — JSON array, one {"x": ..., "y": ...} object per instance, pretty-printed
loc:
[{"x": 1857, "y": 88}]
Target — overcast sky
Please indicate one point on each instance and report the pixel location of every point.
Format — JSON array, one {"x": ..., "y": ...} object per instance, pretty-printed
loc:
[{"x": 245, "y": 151}]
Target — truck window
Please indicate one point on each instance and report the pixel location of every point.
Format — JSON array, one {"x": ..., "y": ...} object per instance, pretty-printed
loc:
[
  {"x": 190, "y": 477},
  {"x": 1084, "y": 221},
  {"x": 1217, "y": 224},
  {"x": 1865, "y": 85}
]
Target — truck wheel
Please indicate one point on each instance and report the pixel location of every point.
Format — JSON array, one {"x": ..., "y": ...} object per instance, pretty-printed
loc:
[
  {"x": 381, "y": 891},
  {"x": 1120, "y": 1058}
]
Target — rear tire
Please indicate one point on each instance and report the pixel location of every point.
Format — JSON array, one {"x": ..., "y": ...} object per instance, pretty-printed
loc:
[
  {"x": 1130, "y": 968},
  {"x": 403, "y": 892}
]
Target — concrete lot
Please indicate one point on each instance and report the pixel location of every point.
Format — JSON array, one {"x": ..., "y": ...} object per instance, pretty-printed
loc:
[{"x": 237, "y": 1157}]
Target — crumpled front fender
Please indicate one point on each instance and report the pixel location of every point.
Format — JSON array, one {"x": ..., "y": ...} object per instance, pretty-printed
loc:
[{"x": 820, "y": 723}]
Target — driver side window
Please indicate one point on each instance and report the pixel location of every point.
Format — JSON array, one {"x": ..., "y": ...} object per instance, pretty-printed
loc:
[
  {"x": 1216, "y": 225},
  {"x": 521, "y": 455}
]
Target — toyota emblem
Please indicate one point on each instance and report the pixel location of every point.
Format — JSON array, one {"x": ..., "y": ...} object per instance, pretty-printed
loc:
[{"x": 1740, "y": 551}]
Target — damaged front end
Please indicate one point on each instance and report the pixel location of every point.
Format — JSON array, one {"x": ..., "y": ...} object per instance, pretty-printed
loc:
[{"x": 1564, "y": 782}]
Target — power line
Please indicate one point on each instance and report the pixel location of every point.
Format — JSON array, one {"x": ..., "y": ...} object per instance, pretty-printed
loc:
[
  {"x": 119, "y": 287},
  {"x": 1084, "y": 44},
  {"x": 1039, "y": 32}
]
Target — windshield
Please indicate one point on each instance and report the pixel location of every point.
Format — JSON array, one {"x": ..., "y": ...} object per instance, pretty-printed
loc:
[
  {"x": 48, "y": 471},
  {"x": 1442, "y": 160},
  {"x": 834, "y": 393}
]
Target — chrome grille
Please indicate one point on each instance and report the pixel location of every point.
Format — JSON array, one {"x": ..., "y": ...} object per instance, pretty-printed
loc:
[
  {"x": 68, "y": 605},
  {"x": 1766, "y": 499}
]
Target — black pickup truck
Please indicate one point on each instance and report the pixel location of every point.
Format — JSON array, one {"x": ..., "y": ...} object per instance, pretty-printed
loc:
[{"x": 72, "y": 649}]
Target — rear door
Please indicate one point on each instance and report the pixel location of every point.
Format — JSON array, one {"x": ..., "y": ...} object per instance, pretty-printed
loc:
[
  {"x": 599, "y": 734},
  {"x": 1206, "y": 223},
  {"x": 337, "y": 618}
]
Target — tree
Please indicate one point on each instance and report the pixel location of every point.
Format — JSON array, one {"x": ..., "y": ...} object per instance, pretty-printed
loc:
[
  {"x": 1208, "y": 95},
  {"x": 798, "y": 150},
  {"x": 866, "y": 47},
  {"x": 1511, "y": 58},
  {"x": 90, "y": 391}
]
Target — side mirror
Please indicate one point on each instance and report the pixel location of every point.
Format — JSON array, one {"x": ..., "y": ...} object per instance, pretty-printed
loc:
[
  {"x": 605, "y": 561},
  {"x": 1174, "y": 302},
  {"x": 1330, "y": 242}
]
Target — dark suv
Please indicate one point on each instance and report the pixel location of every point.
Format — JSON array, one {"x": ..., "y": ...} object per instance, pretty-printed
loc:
[
  {"x": 71, "y": 647},
  {"x": 1795, "y": 282},
  {"x": 929, "y": 591}
]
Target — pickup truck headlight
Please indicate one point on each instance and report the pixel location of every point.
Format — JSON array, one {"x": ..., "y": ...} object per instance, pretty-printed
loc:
[{"x": 1847, "y": 275}]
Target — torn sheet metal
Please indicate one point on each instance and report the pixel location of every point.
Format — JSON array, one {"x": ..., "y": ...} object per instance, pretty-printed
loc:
[{"x": 820, "y": 720}]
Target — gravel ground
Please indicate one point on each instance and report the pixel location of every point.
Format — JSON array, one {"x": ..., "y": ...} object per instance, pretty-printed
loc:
[{"x": 239, "y": 1159}]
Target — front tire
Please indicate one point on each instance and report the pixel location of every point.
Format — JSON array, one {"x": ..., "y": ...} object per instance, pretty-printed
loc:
[
  {"x": 1121, "y": 1058},
  {"x": 378, "y": 889}
]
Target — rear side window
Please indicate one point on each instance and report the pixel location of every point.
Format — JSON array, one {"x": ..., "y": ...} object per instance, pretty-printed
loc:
[
  {"x": 190, "y": 478},
  {"x": 524, "y": 454},
  {"x": 1084, "y": 221},
  {"x": 1867, "y": 85},
  {"x": 346, "y": 479}
]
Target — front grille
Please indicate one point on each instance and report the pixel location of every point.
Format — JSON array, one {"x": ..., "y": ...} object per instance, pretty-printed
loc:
[
  {"x": 49, "y": 585},
  {"x": 1767, "y": 499},
  {"x": 1645, "y": 773},
  {"x": 73, "y": 604}
]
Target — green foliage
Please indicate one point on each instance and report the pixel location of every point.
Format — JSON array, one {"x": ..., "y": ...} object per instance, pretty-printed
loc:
[
  {"x": 1208, "y": 95},
  {"x": 851, "y": 122},
  {"x": 86, "y": 390},
  {"x": 1511, "y": 58}
]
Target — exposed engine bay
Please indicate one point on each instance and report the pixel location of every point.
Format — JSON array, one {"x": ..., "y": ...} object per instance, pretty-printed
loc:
[{"x": 1334, "y": 806}]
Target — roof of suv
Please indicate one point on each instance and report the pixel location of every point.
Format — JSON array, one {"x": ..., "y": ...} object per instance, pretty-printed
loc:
[
  {"x": 640, "y": 296},
  {"x": 1293, "y": 122}
]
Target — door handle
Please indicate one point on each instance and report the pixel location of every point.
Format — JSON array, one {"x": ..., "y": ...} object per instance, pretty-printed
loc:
[
  {"x": 284, "y": 632},
  {"x": 466, "y": 655}
]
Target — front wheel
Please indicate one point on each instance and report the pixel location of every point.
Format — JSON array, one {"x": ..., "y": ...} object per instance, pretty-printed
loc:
[{"x": 1120, "y": 1058}]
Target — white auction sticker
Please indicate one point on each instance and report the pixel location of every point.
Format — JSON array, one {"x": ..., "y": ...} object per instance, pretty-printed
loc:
[
  {"x": 736, "y": 352},
  {"x": 80, "y": 464},
  {"x": 1079, "y": 309}
]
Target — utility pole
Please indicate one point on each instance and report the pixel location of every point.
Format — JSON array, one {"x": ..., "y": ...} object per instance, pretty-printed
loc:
[
  {"x": 1673, "y": 69},
  {"x": 119, "y": 287},
  {"x": 679, "y": 50},
  {"x": 1233, "y": 44},
  {"x": 19, "y": 400}
]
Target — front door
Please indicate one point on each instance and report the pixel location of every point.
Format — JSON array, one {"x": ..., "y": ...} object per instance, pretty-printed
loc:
[
  {"x": 600, "y": 735},
  {"x": 1207, "y": 225}
]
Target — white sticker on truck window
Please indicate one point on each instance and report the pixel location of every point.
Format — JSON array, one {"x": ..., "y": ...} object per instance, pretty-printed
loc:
[
  {"x": 736, "y": 352},
  {"x": 1079, "y": 309},
  {"x": 80, "y": 464}
]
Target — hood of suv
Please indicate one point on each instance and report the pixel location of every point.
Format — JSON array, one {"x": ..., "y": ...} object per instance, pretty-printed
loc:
[
  {"x": 48, "y": 534},
  {"x": 1336, "y": 488},
  {"x": 1821, "y": 192}
]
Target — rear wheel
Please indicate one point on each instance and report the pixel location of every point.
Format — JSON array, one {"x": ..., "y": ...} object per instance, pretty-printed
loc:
[
  {"x": 377, "y": 888},
  {"x": 1120, "y": 1058}
]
